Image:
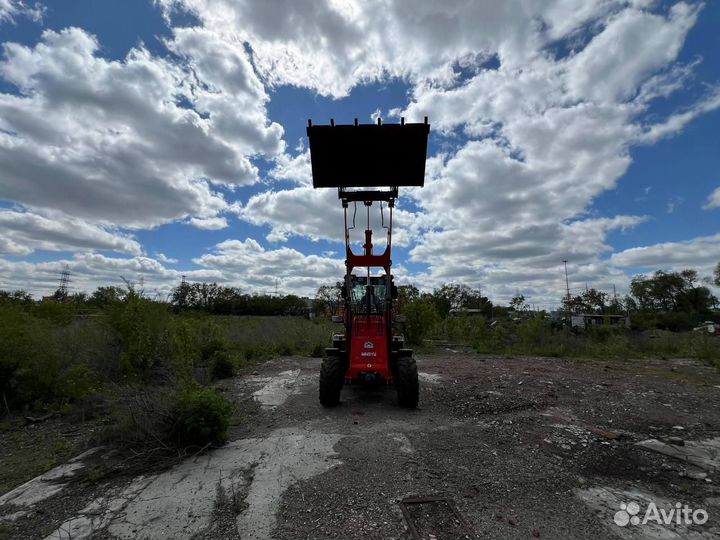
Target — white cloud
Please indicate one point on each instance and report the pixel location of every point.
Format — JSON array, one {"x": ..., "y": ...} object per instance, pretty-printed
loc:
[
  {"x": 254, "y": 267},
  {"x": 90, "y": 270},
  {"x": 697, "y": 253},
  {"x": 673, "y": 203},
  {"x": 713, "y": 200},
  {"x": 116, "y": 142},
  {"x": 330, "y": 46},
  {"x": 165, "y": 259},
  {"x": 295, "y": 169},
  {"x": 550, "y": 134},
  {"x": 10, "y": 9},
  {"x": 27, "y": 231},
  {"x": 318, "y": 215},
  {"x": 633, "y": 45},
  {"x": 209, "y": 224},
  {"x": 528, "y": 146},
  {"x": 676, "y": 122},
  {"x": 243, "y": 264}
]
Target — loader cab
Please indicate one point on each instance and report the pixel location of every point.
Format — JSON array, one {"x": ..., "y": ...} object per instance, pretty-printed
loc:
[{"x": 368, "y": 298}]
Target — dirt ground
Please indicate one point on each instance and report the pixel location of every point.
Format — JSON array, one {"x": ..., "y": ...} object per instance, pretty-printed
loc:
[{"x": 503, "y": 447}]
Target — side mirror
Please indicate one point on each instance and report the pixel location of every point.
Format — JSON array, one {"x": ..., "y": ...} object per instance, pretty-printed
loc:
[
  {"x": 400, "y": 318},
  {"x": 393, "y": 292},
  {"x": 337, "y": 319},
  {"x": 343, "y": 292}
]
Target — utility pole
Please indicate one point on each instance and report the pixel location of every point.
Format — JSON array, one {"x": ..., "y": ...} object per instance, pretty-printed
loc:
[{"x": 567, "y": 288}]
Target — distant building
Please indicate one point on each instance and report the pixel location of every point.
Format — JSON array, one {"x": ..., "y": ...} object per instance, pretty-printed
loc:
[
  {"x": 466, "y": 311},
  {"x": 590, "y": 320}
]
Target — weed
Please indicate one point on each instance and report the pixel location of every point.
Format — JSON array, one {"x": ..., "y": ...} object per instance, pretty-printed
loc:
[
  {"x": 222, "y": 365},
  {"x": 203, "y": 417}
]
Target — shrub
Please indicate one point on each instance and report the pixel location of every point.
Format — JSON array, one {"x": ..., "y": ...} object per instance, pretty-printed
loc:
[
  {"x": 222, "y": 365},
  {"x": 533, "y": 336},
  {"x": 203, "y": 417},
  {"x": 76, "y": 382},
  {"x": 142, "y": 416},
  {"x": 421, "y": 318},
  {"x": 142, "y": 326},
  {"x": 208, "y": 349},
  {"x": 32, "y": 360},
  {"x": 53, "y": 311}
]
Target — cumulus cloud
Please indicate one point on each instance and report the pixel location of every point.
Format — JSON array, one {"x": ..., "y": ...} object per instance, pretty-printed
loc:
[
  {"x": 632, "y": 46},
  {"x": 245, "y": 264},
  {"x": 26, "y": 231},
  {"x": 254, "y": 267},
  {"x": 165, "y": 259},
  {"x": 536, "y": 106},
  {"x": 700, "y": 253},
  {"x": 676, "y": 122},
  {"x": 713, "y": 200},
  {"x": 90, "y": 270},
  {"x": 11, "y": 9},
  {"x": 330, "y": 46},
  {"x": 135, "y": 142},
  {"x": 543, "y": 135},
  {"x": 317, "y": 214},
  {"x": 209, "y": 224}
]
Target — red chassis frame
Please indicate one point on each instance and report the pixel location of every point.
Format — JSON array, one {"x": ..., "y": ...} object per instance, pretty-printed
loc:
[{"x": 369, "y": 337}]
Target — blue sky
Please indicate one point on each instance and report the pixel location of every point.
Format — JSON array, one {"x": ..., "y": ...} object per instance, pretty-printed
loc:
[{"x": 153, "y": 139}]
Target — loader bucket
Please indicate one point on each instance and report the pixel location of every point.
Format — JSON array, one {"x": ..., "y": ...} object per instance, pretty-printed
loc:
[{"x": 368, "y": 155}]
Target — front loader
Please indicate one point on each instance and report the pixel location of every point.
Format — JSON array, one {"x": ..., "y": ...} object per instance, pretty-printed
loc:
[{"x": 367, "y": 164}]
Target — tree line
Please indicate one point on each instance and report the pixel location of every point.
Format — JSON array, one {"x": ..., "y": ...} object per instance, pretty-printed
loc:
[
  {"x": 674, "y": 300},
  {"x": 671, "y": 300}
]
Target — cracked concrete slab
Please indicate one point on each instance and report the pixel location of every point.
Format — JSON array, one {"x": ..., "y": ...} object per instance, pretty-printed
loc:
[
  {"x": 431, "y": 378},
  {"x": 98, "y": 514},
  {"x": 702, "y": 454},
  {"x": 277, "y": 389},
  {"x": 606, "y": 502},
  {"x": 179, "y": 503},
  {"x": 43, "y": 487}
]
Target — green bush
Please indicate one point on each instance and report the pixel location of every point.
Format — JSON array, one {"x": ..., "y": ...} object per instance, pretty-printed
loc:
[
  {"x": 222, "y": 365},
  {"x": 143, "y": 329},
  {"x": 705, "y": 348},
  {"x": 54, "y": 311},
  {"x": 421, "y": 319},
  {"x": 203, "y": 417},
  {"x": 141, "y": 417},
  {"x": 208, "y": 349},
  {"x": 77, "y": 382},
  {"x": 36, "y": 369}
]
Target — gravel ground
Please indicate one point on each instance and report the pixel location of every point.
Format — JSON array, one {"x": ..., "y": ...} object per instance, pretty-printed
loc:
[{"x": 520, "y": 446}]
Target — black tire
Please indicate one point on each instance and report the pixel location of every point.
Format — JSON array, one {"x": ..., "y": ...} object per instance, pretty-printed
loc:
[
  {"x": 406, "y": 382},
  {"x": 332, "y": 377}
]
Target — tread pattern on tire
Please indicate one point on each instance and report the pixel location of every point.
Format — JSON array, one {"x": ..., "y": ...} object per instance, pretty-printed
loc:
[
  {"x": 332, "y": 378},
  {"x": 406, "y": 382}
]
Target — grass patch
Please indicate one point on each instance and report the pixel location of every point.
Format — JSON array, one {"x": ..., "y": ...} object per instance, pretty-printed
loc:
[
  {"x": 28, "y": 451},
  {"x": 537, "y": 337}
]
